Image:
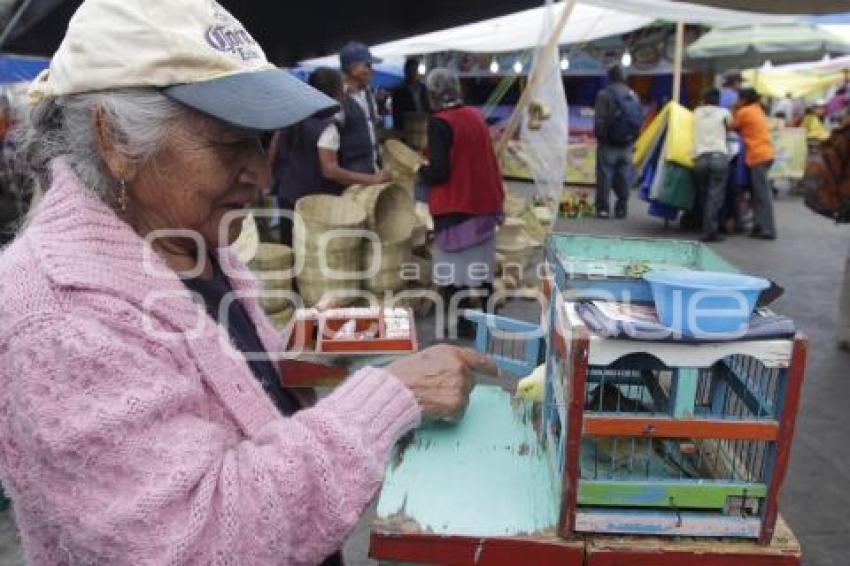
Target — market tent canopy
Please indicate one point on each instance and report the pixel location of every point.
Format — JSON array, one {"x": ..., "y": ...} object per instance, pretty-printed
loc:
[
  {"x": 809, "y": 80},
  {"x": 751, "y": 45},
  {"x": 590, "y": 20},
  {"x": 781, "y": 6},
  {"x": 290, "y": 31},
  {"x": 293, "y": 31}
]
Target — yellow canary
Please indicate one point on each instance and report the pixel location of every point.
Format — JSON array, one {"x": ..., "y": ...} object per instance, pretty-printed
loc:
[{"x": 531, "y": 387}]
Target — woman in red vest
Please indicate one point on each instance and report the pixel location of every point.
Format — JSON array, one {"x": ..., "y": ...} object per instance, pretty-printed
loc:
[{"x": 465, "y": 197}]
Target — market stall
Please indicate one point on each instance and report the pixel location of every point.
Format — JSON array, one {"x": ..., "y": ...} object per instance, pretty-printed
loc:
[{"x": 667, "y": 444}]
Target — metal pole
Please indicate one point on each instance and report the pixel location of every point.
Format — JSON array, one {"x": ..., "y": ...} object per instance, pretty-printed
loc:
[
  {"x": 677, "y": 61},
  {"x": 8, "y": 31}
]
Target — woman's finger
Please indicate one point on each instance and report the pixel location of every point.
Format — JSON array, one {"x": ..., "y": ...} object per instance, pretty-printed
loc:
[{"x": 478, "y": 361}]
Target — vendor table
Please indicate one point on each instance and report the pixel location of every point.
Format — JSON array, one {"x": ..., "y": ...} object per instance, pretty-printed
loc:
[{"x": 479, "y": 493}]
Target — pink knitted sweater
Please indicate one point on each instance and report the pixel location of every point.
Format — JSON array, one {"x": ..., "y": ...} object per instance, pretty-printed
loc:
[{"x": 129, "y": 436}]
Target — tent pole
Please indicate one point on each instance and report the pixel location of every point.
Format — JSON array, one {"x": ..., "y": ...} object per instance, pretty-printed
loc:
[
  {"x": 13, "y": 22},
  {"x": 535, "y": 78},
  {"x": 677, "y": 61}
]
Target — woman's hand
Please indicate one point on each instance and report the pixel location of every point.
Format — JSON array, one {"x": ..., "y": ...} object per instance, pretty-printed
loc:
[{"x": 441, "y": 379}]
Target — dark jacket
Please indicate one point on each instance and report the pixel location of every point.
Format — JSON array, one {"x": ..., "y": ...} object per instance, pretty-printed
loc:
[
  {"x": 405, "y": 101},
  {"x": 606, "y": 109},
  {"x": 356, "y": 152},
  {"x": 298, "y": 171}
]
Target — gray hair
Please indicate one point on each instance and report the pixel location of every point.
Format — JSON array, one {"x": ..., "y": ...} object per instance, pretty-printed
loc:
[
  {"x": 138, "y": 118},
  {"x": 444, "y": 87}
]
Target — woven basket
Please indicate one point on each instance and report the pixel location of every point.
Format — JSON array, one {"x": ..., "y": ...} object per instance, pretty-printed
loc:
[
  {"x": 269, "y": 261},
  {"x": 320, "y": 214},
  {"x": 272, "y": 257},
  {"x": 393, "y": 256},
  {"x": 389, "y": 209},
  {"x": 403, "y": 163},
  {"x": 245, "y": 246},
  {"x": 281, "y": 319},
  {"x": 390, "y": 215}
]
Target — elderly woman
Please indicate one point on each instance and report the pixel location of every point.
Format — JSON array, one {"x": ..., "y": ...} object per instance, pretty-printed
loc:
[
  {"x": 465, "y": 196},
  {"x": 143, "y": 419}
]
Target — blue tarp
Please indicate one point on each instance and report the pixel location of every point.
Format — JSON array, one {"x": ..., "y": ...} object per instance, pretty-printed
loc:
[
  {"x": 841, "y": 18},
  {"x": 15, "y": 69},
  {"x": 384, "y": 75}
]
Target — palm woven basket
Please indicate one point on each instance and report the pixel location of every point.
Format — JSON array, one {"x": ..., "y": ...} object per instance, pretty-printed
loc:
[{"x": 343, "y": 255}]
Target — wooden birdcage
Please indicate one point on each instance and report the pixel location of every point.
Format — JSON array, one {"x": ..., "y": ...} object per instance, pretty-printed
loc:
[{"x": 668, "y": 438}]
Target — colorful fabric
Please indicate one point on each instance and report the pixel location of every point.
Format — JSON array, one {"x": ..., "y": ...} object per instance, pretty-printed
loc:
[{"x": 680, "y": 136}]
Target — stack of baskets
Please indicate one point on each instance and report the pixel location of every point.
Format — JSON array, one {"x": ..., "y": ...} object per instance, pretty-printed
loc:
[
  {"x": 329, "y": 268},
  {"x": 390, "y": 215},
  {"x": 272, "y": 265},
  {"x": 403, "y": 163}
]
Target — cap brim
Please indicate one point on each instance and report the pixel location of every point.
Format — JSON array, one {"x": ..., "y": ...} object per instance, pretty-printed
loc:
[{"x": 257, "y": 100}]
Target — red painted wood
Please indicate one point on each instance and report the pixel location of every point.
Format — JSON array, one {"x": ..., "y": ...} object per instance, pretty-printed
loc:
[
  {"x": 787, "y": 423},
  {"x": 296, "y": 373},
  {"x": 666, "y": 558},
  {"x": 435, "y": 549},
  {"x": 371, "y": 345},
  {"x": 673, "y": 428},
  {"x": 577, "y": 365}
]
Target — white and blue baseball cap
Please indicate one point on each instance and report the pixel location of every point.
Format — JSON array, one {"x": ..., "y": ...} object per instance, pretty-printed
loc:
[{"x": 194, "y": 50}]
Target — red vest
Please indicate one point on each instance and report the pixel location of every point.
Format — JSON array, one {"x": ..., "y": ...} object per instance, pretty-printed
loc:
[{"x": 475, "y": 181}]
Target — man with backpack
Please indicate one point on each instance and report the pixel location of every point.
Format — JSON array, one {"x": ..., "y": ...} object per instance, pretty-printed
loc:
[{"x": 617, "y": 123}]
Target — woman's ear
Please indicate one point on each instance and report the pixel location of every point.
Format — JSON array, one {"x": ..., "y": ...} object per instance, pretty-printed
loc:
[{"x": 119, "y": 165}]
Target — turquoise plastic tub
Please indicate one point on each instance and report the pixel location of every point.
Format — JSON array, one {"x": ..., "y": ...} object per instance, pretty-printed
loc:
[{"x": 705, "y": 304}]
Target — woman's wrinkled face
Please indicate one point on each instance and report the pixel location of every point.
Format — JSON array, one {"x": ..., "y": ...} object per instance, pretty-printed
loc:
[{"x": 203, "y": 180}]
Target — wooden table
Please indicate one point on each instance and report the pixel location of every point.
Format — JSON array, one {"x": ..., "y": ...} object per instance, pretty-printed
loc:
[{"x": 476, "y": 491}]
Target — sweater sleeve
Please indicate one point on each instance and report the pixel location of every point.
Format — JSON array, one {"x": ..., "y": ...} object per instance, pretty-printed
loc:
[
  {"x": 134, "y": 462},
  {"x": 440, "y": 139}
]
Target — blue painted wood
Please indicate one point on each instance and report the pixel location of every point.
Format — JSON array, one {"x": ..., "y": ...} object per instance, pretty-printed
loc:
[
  {"x": 749, "y": 393},
  {"x": 666, "y": 523},
  {"x": 590, "y": 265},
  {"x": 485, "y": 476},
  {"x": 684, "y": 392},
  {"x": 526, "y": 336}
]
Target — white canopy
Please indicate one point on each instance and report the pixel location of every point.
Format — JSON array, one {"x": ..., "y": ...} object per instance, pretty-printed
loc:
[{"x": 590, "y": 20}]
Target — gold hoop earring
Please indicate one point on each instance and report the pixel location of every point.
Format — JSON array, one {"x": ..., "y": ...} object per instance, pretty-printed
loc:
[{"x": 122, "y": 195}]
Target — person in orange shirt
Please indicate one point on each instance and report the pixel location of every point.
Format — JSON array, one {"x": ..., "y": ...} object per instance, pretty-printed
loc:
[{"x": 751, "y": 122}]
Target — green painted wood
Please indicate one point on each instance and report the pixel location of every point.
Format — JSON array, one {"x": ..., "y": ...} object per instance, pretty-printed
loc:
[
  {"x": 667, "y": 494},
  {"x": 684, "y": 392},
  {"x": 485, "y": 476},
  {"x": 608, "y": 256}
]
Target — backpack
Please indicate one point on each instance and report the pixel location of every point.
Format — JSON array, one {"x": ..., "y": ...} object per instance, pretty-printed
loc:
[
  {"x": 826, "y": 184},
  {"x": 624, "y": 126}
]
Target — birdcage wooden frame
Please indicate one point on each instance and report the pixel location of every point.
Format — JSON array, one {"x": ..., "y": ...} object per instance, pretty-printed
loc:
[{"x": 698, "y": 412}]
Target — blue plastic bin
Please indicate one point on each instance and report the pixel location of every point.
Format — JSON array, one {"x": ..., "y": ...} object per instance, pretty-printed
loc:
[{"x": 705, "y": 304}]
